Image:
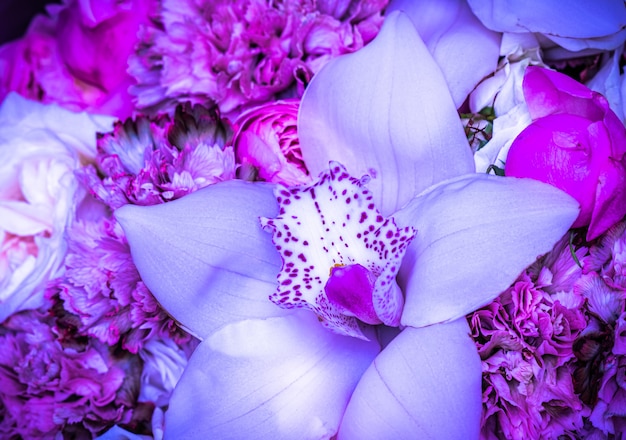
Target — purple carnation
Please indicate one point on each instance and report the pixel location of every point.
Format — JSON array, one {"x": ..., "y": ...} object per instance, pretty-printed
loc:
[
  {"x": 246, "y": 51},
  {"x": 526, "y": 340},
  {"x": 602, "y": 350},
  {"x": 102, "y": 288},
  {"x": 52, "y": 386}
]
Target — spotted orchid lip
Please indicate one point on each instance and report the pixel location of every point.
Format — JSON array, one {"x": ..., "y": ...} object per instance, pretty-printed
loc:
[{"x": 334, "y": 222}]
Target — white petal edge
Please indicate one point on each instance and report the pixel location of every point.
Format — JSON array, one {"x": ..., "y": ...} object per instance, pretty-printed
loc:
[
  {"x": 475, "y": 235},
  {"x": 426, "y": 384},
  {"x": 452, "y": 34},
  {"x": 575, "y": 27},
  {"x": 385, "y": 111},
  {"x": 204, "y": 256},
  {"x": 276, "y": 379}
]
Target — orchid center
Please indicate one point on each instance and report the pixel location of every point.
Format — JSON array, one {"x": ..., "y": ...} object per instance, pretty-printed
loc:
[{"x": 334, "y": 224}]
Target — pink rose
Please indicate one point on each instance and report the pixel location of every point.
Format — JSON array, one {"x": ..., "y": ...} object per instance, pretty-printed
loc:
[
  {"x": 267, "y": 141},
  {"x": 576, "y": 143}
]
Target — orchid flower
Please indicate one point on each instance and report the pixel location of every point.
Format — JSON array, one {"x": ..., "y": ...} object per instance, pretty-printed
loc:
[
  {"x": 452, "y": 33},
  {"x": 298, "y": 371}
]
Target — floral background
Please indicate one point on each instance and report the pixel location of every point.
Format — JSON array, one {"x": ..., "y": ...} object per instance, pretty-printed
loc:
[{"x": 312, "y": 219}]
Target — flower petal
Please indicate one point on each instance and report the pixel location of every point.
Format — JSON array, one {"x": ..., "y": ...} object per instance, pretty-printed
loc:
[
  {"x": 425, "y": 384},
  {"x": 580, "y": 25},
  {"x": 280, "y": 378},
  {"x": 452, "y": 33},
  {"x": 385, "y": 111},
  {"x": 204, "y": 256},
  {"x": 476, "y": 234},
  {"x": 608, "y": 82}
]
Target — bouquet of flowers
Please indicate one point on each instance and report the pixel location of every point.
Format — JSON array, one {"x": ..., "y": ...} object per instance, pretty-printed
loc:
[{"x": 306, "y": 219}]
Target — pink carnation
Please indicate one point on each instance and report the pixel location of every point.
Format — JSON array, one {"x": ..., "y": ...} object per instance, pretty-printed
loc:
[
  {"x": 602, "y": 349},
  {"x": 609, "y": 414},
  {"x": 149, "y": 161},
  {"x": 526, "y": 339},
  {"x": 608, "y": 257},
  {"x": 246, "y": 51},
  {"x": 102, "y": 288},
  {"x": 53, "y": 387}
]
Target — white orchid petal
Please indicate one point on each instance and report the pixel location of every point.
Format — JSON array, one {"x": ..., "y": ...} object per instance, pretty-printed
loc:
[
  {"x": 426, "y": 384},
  {"x": 475, "y": 234},
  {"x": 205, "y": 257},
  {"x": 280, "y": 378},
  {"x": 608, "y": 82},
  {"x": 580, "y": 25},
  {"x": 385, "y": 111},
  {"x": 452, "y": 34}
]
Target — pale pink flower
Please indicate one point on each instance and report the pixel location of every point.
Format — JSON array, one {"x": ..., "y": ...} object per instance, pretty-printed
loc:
[{"x": 40, "y": 148}]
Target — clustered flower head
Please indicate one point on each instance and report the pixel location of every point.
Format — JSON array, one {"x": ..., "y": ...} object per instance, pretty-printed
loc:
[
  {"x": 100, "y": 296},
  {"x": 602, "y": 350},
  {"x": 146, "y": 161},
  {"x": 102, "y": 290},
  {"x": 553, "y": 345},
  {"x": 55, "y": 385},
  {"x": 246, "y": 51},
  {"x": 525, "y": 339},
  {"x": 267, "y": 146},
  {"x": 143, "y": 161}
]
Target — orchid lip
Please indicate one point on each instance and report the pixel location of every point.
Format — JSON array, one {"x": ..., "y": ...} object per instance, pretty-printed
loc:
[
  {"x": 350, "y": 288},
  {"x": 334, "y": 223}
]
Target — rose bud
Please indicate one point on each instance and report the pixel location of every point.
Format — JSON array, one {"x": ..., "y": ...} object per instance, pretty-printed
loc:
[
  {"x": 576, "y": 143},
  {"x": 267, "y": 146}
]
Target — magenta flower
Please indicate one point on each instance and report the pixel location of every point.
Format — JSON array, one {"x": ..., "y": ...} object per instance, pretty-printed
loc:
[
  {"x": 575, "y": 143},
  {"x": 266, "y": 144},
  {"x": 526, "y": 340},
  {"x": 273, "y": 372},
  {"x": 102, "y": 291},
  {"x": 77, "y": 57}
]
